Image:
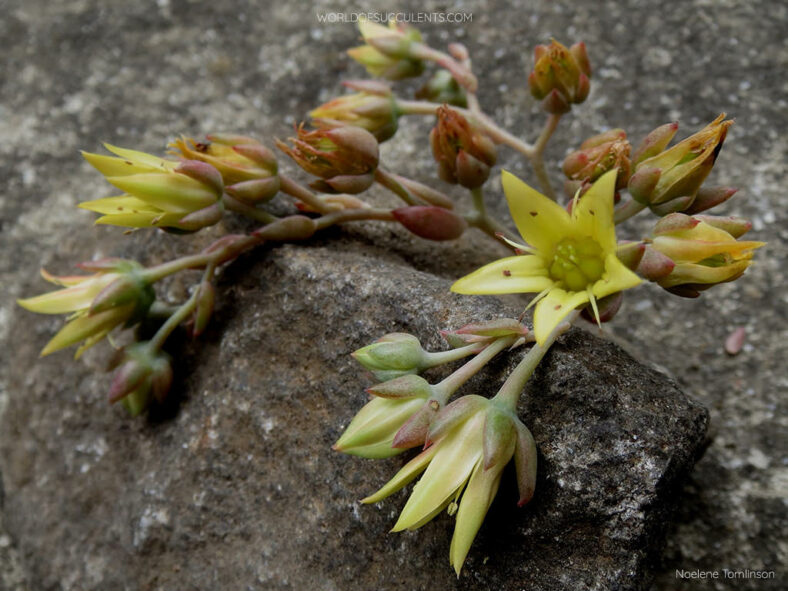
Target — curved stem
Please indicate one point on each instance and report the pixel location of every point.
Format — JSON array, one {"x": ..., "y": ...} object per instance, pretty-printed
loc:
[
  {"x": 536, "y": 157},
  {"x": 436, "y": 358},
  {"x": 389, "y": 181},
  {"x": 183, "y": 312},
  {"x": 627, "y": 209},
  {"x": 482, "y": 220},
  {"x": 509, "y": 394},
  {"x": 448, "y": 386},
  {"x": 249, "y": 211},
  {"x": 297, "y": 190},
  {"x": 350, "y": 215}
]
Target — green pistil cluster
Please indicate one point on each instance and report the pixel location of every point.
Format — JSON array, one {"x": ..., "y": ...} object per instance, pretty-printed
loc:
[{"x": 577, "y": 263}]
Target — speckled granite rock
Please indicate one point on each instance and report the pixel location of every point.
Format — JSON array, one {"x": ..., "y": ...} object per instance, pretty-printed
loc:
[
  {"x": 241, "y": 489},
  {"x": 136, "y": 74}
]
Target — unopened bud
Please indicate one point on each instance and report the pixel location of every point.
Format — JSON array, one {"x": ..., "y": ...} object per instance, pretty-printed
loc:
[
  {"x": 206, "y": 296},
  {"x": 606, "y": 308},
  {"x": 431, "y": 222},
  {"x": 735, "y": 226},
  {"x": 463, "y": 152},
  {"x": 630, "y": 253},
  {"x": 654, "y": 265},
  {"x": 392, "y": 356},
  {"x": 255, "y": 190},
  {"x": 443, "y": 88},
  {"x": 560, "y": 76},
  {"x": 294, "y": 227},
  {"x": 655, "y": 142},
  {"x": 708, "y": 197},
  {"x": 406, "y": 386}
]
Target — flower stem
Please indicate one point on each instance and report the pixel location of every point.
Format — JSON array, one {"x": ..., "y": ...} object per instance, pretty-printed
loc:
[
  {"x": 444, "y": 389},
  {"x": 482, "y": 220},
  {"x": 294, "y": 189},
  {"x": 509, "y": 394},
  {"x": 247, "y": 210},
  {"x": 389, "y": 181},
  {"x": 350, "y": 215},
  {"x": 626, "y": 210},
  {"x": 537, "y": 155},
  {"x": 158, "y": 340},
  {"x": 436, "y": 358}
]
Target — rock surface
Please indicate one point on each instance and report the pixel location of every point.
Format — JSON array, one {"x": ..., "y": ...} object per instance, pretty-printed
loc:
[
  {"x": 240, "y": 487},
  {"x": 137, "y": 74}
]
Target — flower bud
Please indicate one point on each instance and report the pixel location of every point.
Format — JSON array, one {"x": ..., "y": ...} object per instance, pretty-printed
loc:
[
  {"x": 735, "y": 226},
  {"x": 703, "y": 255},
  {"x": 387, "y": 50},
  {"x": 483, "y": 332},
  {"x": 708, "y": 197},
  {"x": 158, "y": 192},
  {"x": 654, "y": 265},
  {"x": 630, "y": 253},
  {"x": 294, "y": 227},
  {"x": 599, "y": 154},
  {"x": 464, "y": 154},
  {"x": 676, "y": 174},
  {"x": 345, "y": 158},
  {"x": 560, "y": 76},
  {"x": 431, "y": 222},
  {"x": 238, "y": 158},
  {"x": 144, "y": 372},
  {"x": 206, "y": 297},
  {"x": 394, "y": 355},
  {"x": 655, "y": 142},
  {"x": 374, "y": 111},
  {"x": 443, "y": 88}
]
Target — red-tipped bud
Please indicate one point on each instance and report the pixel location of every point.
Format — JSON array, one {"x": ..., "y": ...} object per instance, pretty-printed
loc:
[
  {"x": 463, "y": 152},
  {"x": 525, "y": 463},
  {"x": 708, "y": 197},
  {"x": 498, "y": 438},
  {"x": 630, "y": 253},
  {"x": 255, "y": 190},
  {"x": 556, "y": 103},
  {"x": 672, "y": 206},
  {"x": 206, "y": 297},
  {"x": 655, "y": 142},
  {"x": 202, "y": 218},
  {"x": 674, "y": 222},
  {"x": 654, "y": 265},
  {"x": 407, "y": 386},
  {"x": 642, "y": 184},
  {"x": 735, "y": 226},
  {"x": 431, "y": 222},
  {"x": 294, "y": 227},
  {"x": 202, "y": 172}
]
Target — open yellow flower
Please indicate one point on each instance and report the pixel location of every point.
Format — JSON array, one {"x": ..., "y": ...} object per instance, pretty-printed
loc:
[{"x": 570, "y": 259}]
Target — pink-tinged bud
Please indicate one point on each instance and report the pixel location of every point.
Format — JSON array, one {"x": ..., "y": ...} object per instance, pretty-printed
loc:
[
  {"x": 200, "y": 219},
  {"x": 642, "y": 184},
  {"x": 672, "y": 206},
  {"x": 578, "y": 51},
  {"x": 683, "y": 167},
  {"x": 238, "y": 158},
  {"x": 373, "y": 109},
  {"x": 498, "y": 438},
  {"x": 525, "y": 459},
  {"x": 607, "y": 308},
  {"x": 255, "y": 190},
  {"x": 453, "y": 414},
  {"x": 654, "y": 265},
  {"x": 560, "y": 71},
  {"x": 497, "y": 328},
  {"x": 708, "y": 197},
  {"x": 703, "y": 255},
  {"x": 406, "y": 386},
  {"x": 599, "y": 154},
  {"x": 655, "y": 142},
  {"x": 414, "y": 431},
  {"x": 735, "y": 226},
  {"x": 630, "y": 253},
  {"x": 129, "y": 288},
  {"x": 144, "y": 372},
  {"x": 351, "y": 184},
  {"x": 431, "y": 222},
  {"x": 206, "y": 297},
  {"x": 294, "y": 227},
  {"x": 674, "y": 222},
  {"x": 463, "y": 152},
  {"x": 339, "y": 152},
  {"x": 556, "y": 103},
  {"x": 202, "y": 172},
  {"x": 735, "y": 341},
  {"x": 389, "y": 51},
  {"x": 369, "y": 86}
]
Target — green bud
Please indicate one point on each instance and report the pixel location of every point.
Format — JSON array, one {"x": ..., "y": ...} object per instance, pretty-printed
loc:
[{"x": 392, "y": 356}]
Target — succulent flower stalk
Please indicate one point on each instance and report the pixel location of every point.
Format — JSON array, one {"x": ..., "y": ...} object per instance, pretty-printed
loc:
[
  {"x": 570, "y": 259},
  {"x": 463, "y": 152},
  {"x": 345, "y": 158},
  {"x": 157, "y": 193},
  {"x": 116, "y": 294}
]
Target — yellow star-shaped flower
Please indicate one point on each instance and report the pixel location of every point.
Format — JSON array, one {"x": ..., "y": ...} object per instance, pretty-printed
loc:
[{"x": 570, "y": 259}]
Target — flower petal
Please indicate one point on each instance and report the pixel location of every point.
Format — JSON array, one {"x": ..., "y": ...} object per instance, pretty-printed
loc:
[
  {"x": 476, "y": 501},
  {"x": 540, "y": 220},
  {"x": 551, "y": 310},
  {"x": 406, "y": 474},
  {"x": 594, "y": 212},
  {"x": 71, "y": 299},
  {"x": 517, "y": 274},
  {"x": 617, "y": 278},
  {"x": 86, "y": 326}
]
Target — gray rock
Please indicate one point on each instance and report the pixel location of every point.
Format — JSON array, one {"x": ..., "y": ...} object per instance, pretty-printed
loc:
[{"x": 238, "y": 486}]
